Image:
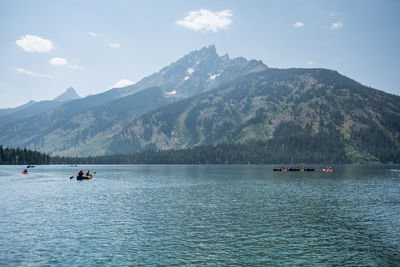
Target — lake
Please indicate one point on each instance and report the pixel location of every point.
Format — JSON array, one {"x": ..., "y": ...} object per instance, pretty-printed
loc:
[{"x": 214, "y": 215}]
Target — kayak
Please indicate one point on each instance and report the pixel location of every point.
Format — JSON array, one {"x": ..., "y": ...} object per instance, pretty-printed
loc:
[{"x": 83, "y": 177}]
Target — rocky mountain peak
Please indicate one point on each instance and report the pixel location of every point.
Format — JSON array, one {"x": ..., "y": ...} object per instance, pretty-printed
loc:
[
  {"x": 210, "y": 50},
  {"x": 196, "y": 72},
  {"x": 69, "y": 94}
]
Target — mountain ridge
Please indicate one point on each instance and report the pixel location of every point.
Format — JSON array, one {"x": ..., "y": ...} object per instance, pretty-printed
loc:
[
  {"x": 34, "y": 108},
  {"x": 200, "y": 69},
  {"x": 205, "y": 99},
  {"x": 301, "y": 99},
  {"x": 43, "y": 132}
]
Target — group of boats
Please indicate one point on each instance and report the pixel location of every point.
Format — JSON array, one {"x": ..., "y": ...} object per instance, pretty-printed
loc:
[
  {"x": 80, "y": 176},
  {"x": 290, "y": 169},
  {"x": 89, "y": 176}
]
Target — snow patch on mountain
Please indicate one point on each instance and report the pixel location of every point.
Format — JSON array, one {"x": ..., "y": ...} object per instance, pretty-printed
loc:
[
  {"x": 190, "y": 71},
  {"x": 213, "y": 76}
]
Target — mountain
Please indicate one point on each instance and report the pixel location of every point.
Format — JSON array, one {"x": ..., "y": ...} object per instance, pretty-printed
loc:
[
  {"x": 86, "y": 126},
  {"x": 68, "y": 95},
  {"x": 7, "y": 111},
  {"x": 197, "y": 72},
  {"x": 79, "y": 129},
  {"x": 314, "y": 115},
  {"x": 31, "y": 109},
  {"x": 203, "y": 99}
]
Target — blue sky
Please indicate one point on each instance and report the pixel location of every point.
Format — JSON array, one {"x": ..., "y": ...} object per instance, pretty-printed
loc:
[{"x": 47, "y": 46}]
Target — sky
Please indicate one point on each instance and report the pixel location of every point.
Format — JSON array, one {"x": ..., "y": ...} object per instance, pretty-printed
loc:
[{"x": 47, "y": 46}]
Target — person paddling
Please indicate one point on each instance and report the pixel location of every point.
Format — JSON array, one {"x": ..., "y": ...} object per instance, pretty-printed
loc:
[
  {"x": 88, "y": 174},
  {"x": 80, "y": 173}
]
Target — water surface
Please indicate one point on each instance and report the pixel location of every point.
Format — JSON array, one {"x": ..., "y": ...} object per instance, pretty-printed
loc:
[{"x": 200, "y": 215}]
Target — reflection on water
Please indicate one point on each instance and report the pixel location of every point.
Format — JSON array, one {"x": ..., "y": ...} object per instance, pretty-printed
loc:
[{"x": 201, "y": 215}]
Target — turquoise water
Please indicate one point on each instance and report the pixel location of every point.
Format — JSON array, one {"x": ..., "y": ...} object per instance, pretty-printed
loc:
[{"x": 200, "y": 215}]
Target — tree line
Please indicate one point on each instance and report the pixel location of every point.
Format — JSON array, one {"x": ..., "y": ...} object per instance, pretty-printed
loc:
[
  {"x": 291, "y": 145},
  {"x": 295, "y": 149},
  {"x": 18, "y": 156}
]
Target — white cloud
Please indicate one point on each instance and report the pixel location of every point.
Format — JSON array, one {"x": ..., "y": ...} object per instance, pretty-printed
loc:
[
  {"x": 336, "y": 25},
  {"x": 206, "y": 20},
  {"x": 186, "y": 78},
  {"x": 33, "y": 43},
  {"x": 171, "y": 93},
  {"x": 92, "y": 34},
  {"x": 298, "y": 24},
  {"x": 190, "y": 70},
  {"x": 115, "y": 45},
  {"x": 310, "y": 62},
  {"x": 58, "y": 61},
  {"x": 122, "y": 83},
  {"x": 31, "y": 73}
]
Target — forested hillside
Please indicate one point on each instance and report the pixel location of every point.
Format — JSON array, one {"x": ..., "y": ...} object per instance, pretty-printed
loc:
[
  {"x": 295, "y": 110},
  {"x": 252, "y": 152}
]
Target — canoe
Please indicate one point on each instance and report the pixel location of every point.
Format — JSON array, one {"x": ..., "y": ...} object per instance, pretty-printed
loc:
[{"x": 83, "y": 177}]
